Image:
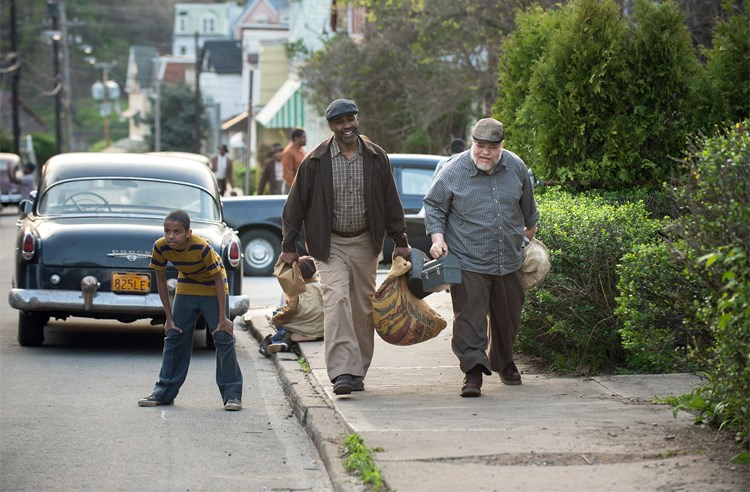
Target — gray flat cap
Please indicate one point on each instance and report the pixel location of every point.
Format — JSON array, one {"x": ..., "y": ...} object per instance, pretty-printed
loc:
[
  {"x": 340, "y": 107},
  {"x": 488, "y": 130}
]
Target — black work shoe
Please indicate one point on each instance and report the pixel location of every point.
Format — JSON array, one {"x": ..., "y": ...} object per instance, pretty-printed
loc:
[
  {"x": 510, "y": 375},
  {"x": 472, "y": 383},
  {"x": 342, "y": 385},
  {"x": 358, "y": 384}
]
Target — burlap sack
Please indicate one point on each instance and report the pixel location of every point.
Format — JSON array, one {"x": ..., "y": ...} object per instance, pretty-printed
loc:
[
  {"x": 289, "y": 277},
  {"x": 400, "y": 317},
  {"x": 535, "y": 264}
]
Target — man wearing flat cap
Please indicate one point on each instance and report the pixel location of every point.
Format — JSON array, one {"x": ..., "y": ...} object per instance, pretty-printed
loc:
[
  {"x": 482, "y": 209},
  {"x": 345, "y": 199}
]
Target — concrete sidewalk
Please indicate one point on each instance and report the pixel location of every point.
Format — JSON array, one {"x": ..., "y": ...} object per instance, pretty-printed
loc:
[{"x": 550, "y": 433}]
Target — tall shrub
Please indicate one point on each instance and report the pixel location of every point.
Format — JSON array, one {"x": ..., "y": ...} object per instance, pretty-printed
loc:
[
  {"x": 728, "y": 69},
  {"x": 597, "y": 99},
  {"x": 574, "y": 92},
  {"x": 522, "y": 50},
  {"x": 664, "y": 80}
]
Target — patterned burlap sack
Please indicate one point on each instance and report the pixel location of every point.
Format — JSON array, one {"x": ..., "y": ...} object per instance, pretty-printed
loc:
[{"x": 400, "y": 317}]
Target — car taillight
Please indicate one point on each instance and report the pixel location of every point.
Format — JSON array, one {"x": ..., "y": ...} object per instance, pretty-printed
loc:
[
  {"x": 233, "y": 254},
  {"x": 28, "y": 248}
]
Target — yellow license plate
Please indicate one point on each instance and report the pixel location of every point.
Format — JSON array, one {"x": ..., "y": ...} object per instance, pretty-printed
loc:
[{"x": 133, "y": 283}]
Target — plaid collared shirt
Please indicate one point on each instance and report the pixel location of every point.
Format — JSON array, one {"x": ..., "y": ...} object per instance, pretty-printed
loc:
[
  {"x": 483, "y": 215},
  {"x": 349, "y": 214}
]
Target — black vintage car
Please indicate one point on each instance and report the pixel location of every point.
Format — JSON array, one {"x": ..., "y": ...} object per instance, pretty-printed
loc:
[{"x": 83, "y": 245}]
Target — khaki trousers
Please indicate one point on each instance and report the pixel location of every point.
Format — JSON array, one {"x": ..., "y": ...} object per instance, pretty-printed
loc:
[
  {"x": 348, "y": 280},
  {"x": 477, "y": 295}
]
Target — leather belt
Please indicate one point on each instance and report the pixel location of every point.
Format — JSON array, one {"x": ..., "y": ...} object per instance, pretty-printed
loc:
[{"x": 349, "y": 234}]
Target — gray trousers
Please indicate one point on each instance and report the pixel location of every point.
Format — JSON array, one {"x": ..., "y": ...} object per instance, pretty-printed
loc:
[{"x": 501, "y": 296}]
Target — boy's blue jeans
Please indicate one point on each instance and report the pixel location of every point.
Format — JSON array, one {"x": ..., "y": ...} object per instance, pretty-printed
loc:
[{"x": 178, "y": 348}]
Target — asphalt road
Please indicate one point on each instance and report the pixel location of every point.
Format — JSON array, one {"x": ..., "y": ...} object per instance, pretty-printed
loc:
[{"x": 69, "y": 419}]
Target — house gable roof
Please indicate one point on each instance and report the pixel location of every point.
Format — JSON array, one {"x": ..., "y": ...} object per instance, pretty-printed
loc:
[
  {"x": 140, "y": 64},
  {"x": 223, "y": 56}
]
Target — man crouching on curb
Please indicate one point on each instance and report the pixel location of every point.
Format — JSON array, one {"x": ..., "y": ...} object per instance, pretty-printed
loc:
[{"x": 482, "y": 208}]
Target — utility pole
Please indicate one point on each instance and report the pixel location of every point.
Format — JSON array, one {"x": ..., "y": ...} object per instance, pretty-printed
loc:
[
  {"x": 15, "y": 76},
  {"x": 57, "y": 89},
  {"x": 249, "y": 143},
  {"x": 67, "y": 85},
  {"x": 199, "y": 52}
]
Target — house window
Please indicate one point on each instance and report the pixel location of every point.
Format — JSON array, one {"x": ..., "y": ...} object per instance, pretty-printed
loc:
[
  {"x": 182, "y": 22},
  {"x": 208, "y": 25}
]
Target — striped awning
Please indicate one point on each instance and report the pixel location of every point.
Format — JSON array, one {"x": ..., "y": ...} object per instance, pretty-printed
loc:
[{"x": 286, "y": 109}]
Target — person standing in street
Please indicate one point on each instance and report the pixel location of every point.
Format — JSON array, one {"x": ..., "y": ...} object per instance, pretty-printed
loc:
[
  {"x": 482, "y": 209},
  {"x": 457, "y": 146},
  {"x": 221, "y": 165},
  {"x": 201, "y": 290},
  {"x": 272, "y": 173},
  {"x": 345, "y": 196},
  {"x": 291, "y": 157}
]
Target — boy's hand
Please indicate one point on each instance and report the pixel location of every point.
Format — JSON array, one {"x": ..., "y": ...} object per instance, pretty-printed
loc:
[
  {"x": 169, "y": 325},
  {"x": 225, "y": 325}
]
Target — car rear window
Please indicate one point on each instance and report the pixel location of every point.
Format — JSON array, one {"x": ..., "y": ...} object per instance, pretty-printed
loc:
[{"x": 126, "y": 196}]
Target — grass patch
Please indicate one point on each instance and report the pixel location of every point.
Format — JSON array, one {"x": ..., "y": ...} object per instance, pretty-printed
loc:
[
  {"x": 304, "y": 364},
  {"x": 359, "y": 460}
]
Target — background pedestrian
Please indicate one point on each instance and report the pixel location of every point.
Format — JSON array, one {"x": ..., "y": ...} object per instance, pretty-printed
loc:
[
  {"x": 222, "y": 167},
  {"x": 291, "y": 157}
]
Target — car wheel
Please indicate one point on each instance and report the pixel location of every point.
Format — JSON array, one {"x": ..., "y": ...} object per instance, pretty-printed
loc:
[
  {"x": 31, "y": 329},
  {"x": 261, "y": 249}
]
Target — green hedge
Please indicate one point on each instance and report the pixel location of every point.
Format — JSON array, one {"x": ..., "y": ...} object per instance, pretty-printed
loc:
[
  {"x": 657, "y": 305},
  {"x": 570, "y": 319}
]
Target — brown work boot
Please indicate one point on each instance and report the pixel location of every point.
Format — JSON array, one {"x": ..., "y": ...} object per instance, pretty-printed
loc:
[
  {"x": 510, "y": 375},
  {"x": 472, "y": 383}
]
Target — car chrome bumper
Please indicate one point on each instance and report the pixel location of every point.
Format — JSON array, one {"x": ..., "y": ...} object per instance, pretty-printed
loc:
[{"x": 72, "y": 302}]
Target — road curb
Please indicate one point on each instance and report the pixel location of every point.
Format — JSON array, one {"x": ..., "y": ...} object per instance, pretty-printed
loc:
[{"x": 311, "y": 407}]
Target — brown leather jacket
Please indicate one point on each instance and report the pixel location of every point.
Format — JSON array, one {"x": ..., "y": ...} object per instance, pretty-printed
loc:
[{"x": 310, "y": 202}]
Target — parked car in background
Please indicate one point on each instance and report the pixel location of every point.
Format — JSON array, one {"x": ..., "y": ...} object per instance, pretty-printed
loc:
[
  {"x": 9, "y": 164},
  {"x": 258, "y": 218},
  {"x": 83, "y": 246}
]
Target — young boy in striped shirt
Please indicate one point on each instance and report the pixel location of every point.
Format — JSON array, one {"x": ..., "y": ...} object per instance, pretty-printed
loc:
[{"x": 201, "y": 290}]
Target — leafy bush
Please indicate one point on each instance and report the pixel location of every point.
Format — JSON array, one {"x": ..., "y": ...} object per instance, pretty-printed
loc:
[
  {"x": 569, "y": 320},
  {"x": 716, "y": 192},
  {"x": 657, "y": 303}
]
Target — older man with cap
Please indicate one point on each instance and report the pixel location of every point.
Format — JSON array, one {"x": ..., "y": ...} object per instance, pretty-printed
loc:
[
  {"x": 482, "y": 209},
  {"x": 346, "y": 200}
]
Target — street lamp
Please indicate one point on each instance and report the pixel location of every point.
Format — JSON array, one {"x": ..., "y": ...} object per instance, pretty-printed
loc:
[{"x": 106, "y": 92}]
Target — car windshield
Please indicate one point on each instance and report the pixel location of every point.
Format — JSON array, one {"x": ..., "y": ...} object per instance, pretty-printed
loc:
[{"x": 127, "y": 196}]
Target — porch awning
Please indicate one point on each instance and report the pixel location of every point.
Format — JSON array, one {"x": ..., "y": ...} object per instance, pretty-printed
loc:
[
  {"x": 235, "y": 123},
  {"x": 286, "y": 109}
]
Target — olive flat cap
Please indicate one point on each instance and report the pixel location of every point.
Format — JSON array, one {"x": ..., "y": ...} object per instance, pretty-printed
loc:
[
  {"x": 340, "y": 107},
  {"x": 488, "y": 130}
]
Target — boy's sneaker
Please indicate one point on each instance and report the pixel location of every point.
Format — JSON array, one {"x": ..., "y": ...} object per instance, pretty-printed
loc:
[
  {"x": 151, "y": 401},
  {"x": 233, "y": 404}
]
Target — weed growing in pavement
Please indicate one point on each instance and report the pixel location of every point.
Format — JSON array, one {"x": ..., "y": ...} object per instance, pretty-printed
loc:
[
  {"x": 304, "y": 364},
  {"x": 359, "y": 460}
]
